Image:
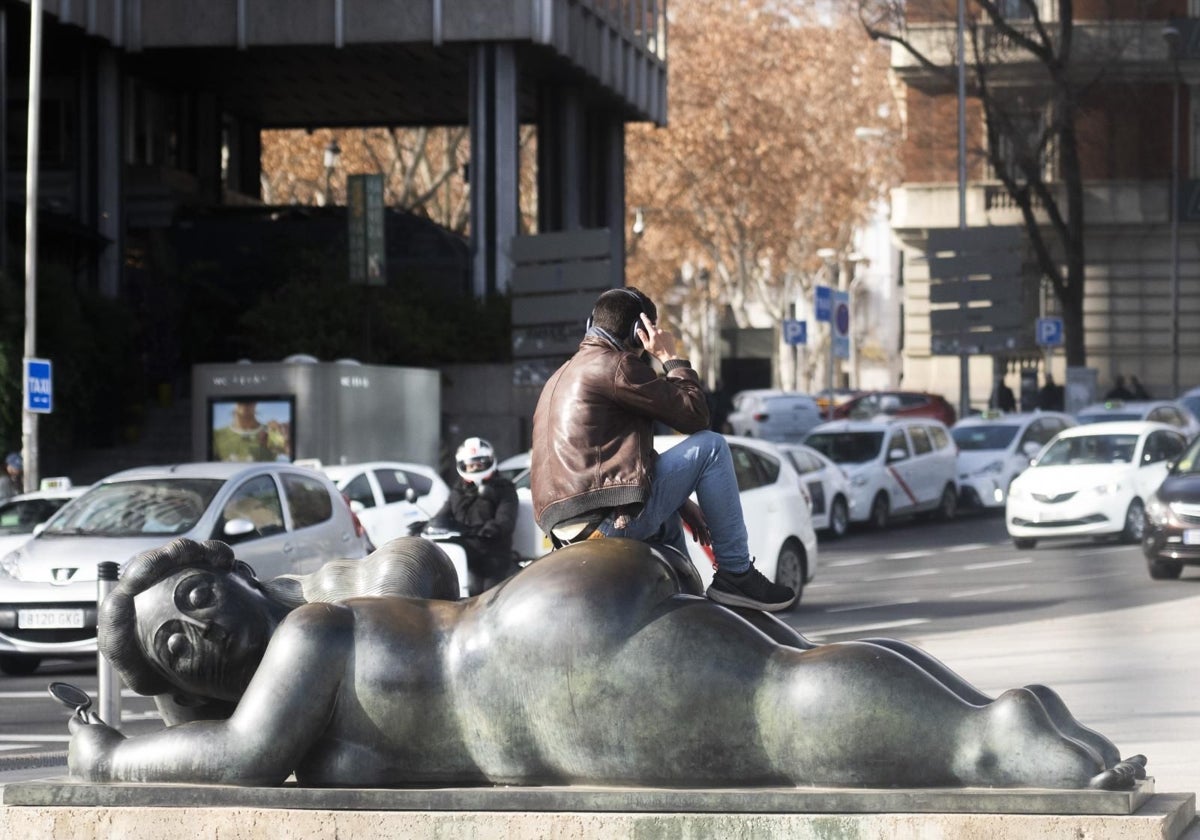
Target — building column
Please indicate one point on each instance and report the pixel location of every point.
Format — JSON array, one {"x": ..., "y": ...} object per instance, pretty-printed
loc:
[
  {"x": 494, "y": 166},
  {"x": 110, "y": 166}
]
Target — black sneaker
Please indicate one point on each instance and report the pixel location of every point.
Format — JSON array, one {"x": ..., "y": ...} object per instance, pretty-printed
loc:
[{"x": 750, "y": 589}]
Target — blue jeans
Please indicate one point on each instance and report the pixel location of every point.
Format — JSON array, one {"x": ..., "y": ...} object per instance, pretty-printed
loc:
[{"x": 699, "y": 464}]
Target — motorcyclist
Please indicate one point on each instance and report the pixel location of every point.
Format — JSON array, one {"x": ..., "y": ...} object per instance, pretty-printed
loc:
[{"x": 483, "y": 507}]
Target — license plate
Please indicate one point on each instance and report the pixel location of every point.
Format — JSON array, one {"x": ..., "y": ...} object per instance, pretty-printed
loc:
[
  {"x": 1191, "y": 536},
  {"x": 49, "y": 619}
]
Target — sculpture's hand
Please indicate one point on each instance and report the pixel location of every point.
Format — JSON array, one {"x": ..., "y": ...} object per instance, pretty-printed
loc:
[{"x": 92, "y": 746}]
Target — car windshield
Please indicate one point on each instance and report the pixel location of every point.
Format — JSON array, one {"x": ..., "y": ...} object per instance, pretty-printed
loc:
[
  {"x": 846, "y": 447},
  {"x": 21, "y": 516},
  {"x": 153, "y": 506},
  {"x": 1109, "y": 417},
  {"x": 1090, "y": 449},
  {"x": 979, "y": 438}
]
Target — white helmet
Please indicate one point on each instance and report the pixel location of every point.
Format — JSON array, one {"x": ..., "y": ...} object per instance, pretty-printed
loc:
[{"x": 475, "y": 460}]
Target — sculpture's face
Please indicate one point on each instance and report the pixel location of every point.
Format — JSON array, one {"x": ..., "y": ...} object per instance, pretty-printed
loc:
[{"x": 205, "y": 631}]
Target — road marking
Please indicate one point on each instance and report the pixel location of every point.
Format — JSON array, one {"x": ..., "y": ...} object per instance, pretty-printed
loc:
[
  {"x": 1094, "y": 577},
  {"x": 864, "y": 628},
  {"x": 897, "y": 602},
  {"x": 899, "y": 575},
  {"x": 988, "y": 590},
  {"x": 24, "y": 739},
  {"x": 906, "y": 555},
  {"x": 858, "y": 561},
  {"x": 18, "y": 746},
  {"x": 997, "y": 564},
  {"x": 970, "y": 547}
]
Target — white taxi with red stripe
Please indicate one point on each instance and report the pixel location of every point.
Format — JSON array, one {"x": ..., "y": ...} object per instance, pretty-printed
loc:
[{"x": 896, "y": 467}]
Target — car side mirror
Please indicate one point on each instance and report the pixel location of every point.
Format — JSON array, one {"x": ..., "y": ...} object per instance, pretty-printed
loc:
[
  {"x": 410, "y": 496},
  {"x": 1031, "y": 448},
  {"x": 38, "y": 528},
  {"x": 1171, "y": 465},
  {"x": 238, "y": 528},
  {"x": 897, "y": 455},
  {"x": 357, "y": 507}
]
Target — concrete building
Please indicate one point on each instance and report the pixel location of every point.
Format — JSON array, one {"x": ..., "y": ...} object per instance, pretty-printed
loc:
[{"x": 1142, "y": 297}]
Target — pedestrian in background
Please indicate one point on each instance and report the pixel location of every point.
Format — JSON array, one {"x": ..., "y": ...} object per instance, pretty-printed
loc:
[
  {"x": 1050, "y": 398},
  {"x": 1139, "y": 390},
  {"x": 1003, "y": 397},
  {"x": 12, "y": 481},
  {"x": 1118, "y": 390}
]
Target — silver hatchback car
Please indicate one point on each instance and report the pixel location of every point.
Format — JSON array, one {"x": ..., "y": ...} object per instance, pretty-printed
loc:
[{"x": 279, "y": 518}]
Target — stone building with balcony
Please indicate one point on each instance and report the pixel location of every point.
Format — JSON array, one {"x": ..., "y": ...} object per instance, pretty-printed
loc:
[{"x": 1141, "y": 310}]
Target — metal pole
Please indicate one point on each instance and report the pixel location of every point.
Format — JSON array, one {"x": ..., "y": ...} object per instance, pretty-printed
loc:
[
  {"x": 964, "y": 359},
  {"x": 29, "y": 435},
  {"x": 108, "y": 681},
  {"x": 1175, "y": 230}
]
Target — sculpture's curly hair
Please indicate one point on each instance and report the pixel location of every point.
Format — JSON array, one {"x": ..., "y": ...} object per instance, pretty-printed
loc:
[{"x": 407, "y": 566}]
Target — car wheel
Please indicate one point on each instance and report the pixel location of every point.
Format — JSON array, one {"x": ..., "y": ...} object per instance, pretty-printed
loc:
[
  {"x": 1024, "y": 542},
  {"x": 789, "y": 571},
  {"x": 1135, "y": 523},
  {"x": 949, "y": 506},
  {"x": 1165, "y": 570},
  {"x": 839, "y": 518},
  {"x": 880, "y": 512},
  {"x": 16, "y": 665}
]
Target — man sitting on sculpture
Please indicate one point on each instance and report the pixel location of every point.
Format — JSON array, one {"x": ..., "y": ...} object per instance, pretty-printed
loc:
[{"x": 588, "y": 667}]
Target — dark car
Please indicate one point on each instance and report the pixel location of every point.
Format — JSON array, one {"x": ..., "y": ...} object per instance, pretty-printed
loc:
[
  {"x": 1172, "y": 535},
  {"x": 871, "y": 404}
]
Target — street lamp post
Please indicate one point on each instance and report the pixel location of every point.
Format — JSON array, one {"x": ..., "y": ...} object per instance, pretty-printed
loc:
[
  {"x": 1171, "y": 36},
  {"x": 829, "y": 257}
]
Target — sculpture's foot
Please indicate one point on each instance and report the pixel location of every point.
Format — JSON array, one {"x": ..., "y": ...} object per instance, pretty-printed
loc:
[
  {"x": 1121, "y": 776},
  {"x": 1066, "y": 722}
]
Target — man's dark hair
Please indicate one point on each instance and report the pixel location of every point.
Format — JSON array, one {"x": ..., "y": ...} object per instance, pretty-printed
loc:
[{"x": 617, "y": 310}]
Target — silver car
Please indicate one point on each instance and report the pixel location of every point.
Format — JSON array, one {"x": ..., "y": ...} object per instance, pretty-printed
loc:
[{"x": 279, "y": 518}]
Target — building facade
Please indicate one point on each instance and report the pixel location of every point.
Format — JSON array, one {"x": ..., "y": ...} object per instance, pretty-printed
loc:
[{"x": 1134, "y": 69}]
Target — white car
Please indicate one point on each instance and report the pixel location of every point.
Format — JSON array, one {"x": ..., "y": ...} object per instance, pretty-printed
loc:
[
  {"x": 279, "y": 518},
  {"x": 1156, "y": 411},
  {"x": 896, "y": 467},
  {"x": 21, "y": 514},
  {"x": 1092, "y": 480},
  {"x": 773, "y": 415},
  {"x": 377, "y": 491},
  {"x": 778, "y": 523},
  {"x": 994, "y": 448},
  {"x": 827, "y": 485},
  {"x": 513, "y": 466}
]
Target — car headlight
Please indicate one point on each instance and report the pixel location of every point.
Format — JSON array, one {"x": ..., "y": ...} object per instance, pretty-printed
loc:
[
  {"x": 1109, "y": 489},
  {"x": 9, "y": 567},
  {"x": 1156, "y": 511},
  {"x": 859, "y": 480}
]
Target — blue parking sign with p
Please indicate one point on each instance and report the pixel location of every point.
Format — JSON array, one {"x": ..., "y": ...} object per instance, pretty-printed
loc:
[
  {"x": 1050, "y": 332},
  {"x": 39, "y": 389},
  {"x": 795, "y": 332}
]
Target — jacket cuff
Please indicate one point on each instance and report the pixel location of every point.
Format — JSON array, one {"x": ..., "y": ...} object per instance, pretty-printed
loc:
[{"x": 674, "y": 364}]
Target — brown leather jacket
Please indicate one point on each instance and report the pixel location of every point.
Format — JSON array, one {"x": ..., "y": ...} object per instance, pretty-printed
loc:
[{"x": 593, "y": 430}]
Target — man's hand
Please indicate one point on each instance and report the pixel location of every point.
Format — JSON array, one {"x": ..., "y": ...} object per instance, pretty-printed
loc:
[
  {"x": 92, "y": 745},
  {"x": 658, "y": 343},
  {"x": 693, "y": 517},
  {"x": 489, "y": 530}
]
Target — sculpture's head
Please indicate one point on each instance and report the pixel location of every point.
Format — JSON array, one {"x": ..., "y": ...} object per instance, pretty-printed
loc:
[{"x": 187, "y": 619}]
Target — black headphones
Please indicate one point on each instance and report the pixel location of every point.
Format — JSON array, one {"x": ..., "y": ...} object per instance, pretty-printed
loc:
[{"x": 632, "y": 338}]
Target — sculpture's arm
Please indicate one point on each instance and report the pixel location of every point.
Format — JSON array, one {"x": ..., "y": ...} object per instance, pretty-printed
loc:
[{"x": 283, "y": 712}]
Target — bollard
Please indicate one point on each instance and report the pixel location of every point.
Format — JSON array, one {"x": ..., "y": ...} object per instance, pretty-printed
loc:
[{"x": 109, "y": 683}]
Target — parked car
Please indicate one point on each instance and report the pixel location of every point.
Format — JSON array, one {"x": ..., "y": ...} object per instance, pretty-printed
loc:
[
  {"x": 513, "y": 466},
  {"x": 1092, "y": 480},
  {"x": 994, "y": 448},
  {"x": 21, "y": 514},
  {"x": 827, "y": 485},
  {"x": 1172, "y": 538},
  {"x": 871, "y": 404},
  {"x": 1190, "y": 400},
  {"x": 377, "y": 491},
  {"x": 778, "y": 523},
  {"x": 279, "y": 518},
  {"x": 840, "y": 396},
  {"x": 775, "y": 416},
  {"x": 1156, "y": 411},
  {"x": 896, "y": 467}
]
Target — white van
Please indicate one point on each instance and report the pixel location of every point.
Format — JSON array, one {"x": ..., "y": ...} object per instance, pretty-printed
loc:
[{"x": 896, "y": 467}]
